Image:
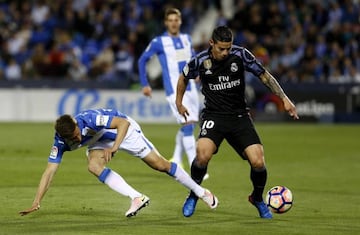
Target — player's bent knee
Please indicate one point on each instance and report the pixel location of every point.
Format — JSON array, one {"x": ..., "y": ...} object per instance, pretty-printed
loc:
[
  {"x": 257, "y": 163},
  {"x": 202, "y": 161},
  {"x": 203, "y": 157},
  {"x": 94, "y": 168},
  {"x": 96, "y": 162}
]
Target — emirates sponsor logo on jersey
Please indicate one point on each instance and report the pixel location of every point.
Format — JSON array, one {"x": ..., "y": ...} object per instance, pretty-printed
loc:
[{"x": 224, "y": 83}]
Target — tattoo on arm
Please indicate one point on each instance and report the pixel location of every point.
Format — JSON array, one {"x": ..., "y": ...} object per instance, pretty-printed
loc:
[{"x": 272, "y": 84}]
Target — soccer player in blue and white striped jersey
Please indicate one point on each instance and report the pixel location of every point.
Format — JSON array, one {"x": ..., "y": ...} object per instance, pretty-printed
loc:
[
  {"x": 104, "y": 132},
  {"x": 174, "y": 49}
]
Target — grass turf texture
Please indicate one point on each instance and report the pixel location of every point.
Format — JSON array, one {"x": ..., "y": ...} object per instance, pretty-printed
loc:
[{"x": 319, "y": 163}]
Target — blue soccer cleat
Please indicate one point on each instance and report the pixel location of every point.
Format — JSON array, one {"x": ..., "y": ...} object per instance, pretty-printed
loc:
[
  {"x": 189, "y": 205},
  {"x": 263, "y": 210}
]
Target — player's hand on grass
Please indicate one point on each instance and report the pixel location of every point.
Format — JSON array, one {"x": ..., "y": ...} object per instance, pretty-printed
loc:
[{"x": 29, "y": 210}]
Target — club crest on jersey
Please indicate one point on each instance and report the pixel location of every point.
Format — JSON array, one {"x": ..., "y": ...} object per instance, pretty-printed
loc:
[
  {"x": 203, "y": 132},
  {"x": 207, "y": 66},
  {"x": 234, "y": 67}
]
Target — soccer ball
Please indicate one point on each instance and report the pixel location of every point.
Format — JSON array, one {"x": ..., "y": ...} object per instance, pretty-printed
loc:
[{"x": 279, "y": 199}]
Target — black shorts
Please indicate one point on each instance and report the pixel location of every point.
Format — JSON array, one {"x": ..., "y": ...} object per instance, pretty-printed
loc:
[{"x": 239, "y": 131}]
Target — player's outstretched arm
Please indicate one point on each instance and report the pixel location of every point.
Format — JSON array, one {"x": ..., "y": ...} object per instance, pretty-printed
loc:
[
  {"x": 44, "y": 184},
  {"x": 29, "y": 210},
  {"x": 290, "y": 108},
  {"x": 275, "y": 87},
  {"x": 122, "y": 126}
]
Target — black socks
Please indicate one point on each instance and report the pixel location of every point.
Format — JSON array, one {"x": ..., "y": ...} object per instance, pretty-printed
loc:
[
  {"x": 258, "y": 178},
  {"x": 197, "y": 174}
]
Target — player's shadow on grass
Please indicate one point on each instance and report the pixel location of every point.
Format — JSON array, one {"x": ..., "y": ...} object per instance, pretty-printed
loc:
[{"x": 65, "y": 221}]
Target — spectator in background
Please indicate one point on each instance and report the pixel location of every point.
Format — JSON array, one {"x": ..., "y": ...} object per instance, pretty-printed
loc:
[
  {"x": 108, "y": 73},
  {"x": 57, "y": 66},
  {"x": 39, "y": 12},
  {"x": 79, "y": 5},
  {"x": 189, "y": 16},
  {"x": 35, "y": 66},
  {"x": 150, "y": 24},
  {"x": 12, "y": 70},
  {"x": 124, "y": 64},
  {"x": 117, "y": 24},
  {"x": 18, "y": 39},
  {"x": 77, "y": 71},
  {"x": 2, "y": 67},
  {"x": 103, "y": 63},
  {"x": 82, "y": 23}
]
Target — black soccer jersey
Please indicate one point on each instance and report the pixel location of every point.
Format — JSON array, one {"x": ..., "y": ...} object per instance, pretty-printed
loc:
[{"x": 223, "y": 82}]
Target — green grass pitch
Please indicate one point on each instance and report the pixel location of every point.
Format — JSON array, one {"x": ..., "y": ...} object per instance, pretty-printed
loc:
[{"x": 319, "y": 163}]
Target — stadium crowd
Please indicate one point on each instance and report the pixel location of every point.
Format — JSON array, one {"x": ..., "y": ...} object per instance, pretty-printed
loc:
[{"x": 300, "y": 41}]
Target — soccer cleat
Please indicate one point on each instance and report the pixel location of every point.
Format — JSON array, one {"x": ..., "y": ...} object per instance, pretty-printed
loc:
[
  {"x": 137, "y": 204},
  {"x": 189, "y": 205},
  {"x": 210, "y": 199},
  {"x": 263, "y": 210}
]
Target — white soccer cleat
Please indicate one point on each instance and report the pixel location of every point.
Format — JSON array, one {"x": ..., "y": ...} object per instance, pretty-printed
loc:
[
  {"x": 137, "y": 204},
  {"x": 210, "y": 199}
]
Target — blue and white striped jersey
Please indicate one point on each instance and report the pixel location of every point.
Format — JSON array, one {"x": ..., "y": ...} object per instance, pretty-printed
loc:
[
  {"x": 173, "y": 54},
  {"x": 93, "y": 126}
]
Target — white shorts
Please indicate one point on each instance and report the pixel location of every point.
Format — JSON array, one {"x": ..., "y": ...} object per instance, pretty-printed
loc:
[
  {"x": 134, "y": 143},
  {"x": 190, "y": 101}
]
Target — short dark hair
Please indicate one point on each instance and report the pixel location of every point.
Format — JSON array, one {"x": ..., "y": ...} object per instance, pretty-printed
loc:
[
  {"x": 65, "y": 126},
  {"x": 222, "y": 34},
  {"x": 171, "y": 11}
]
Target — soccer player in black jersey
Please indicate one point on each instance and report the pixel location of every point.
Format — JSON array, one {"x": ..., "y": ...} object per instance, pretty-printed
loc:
[{"x": 221, "y": 70}]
